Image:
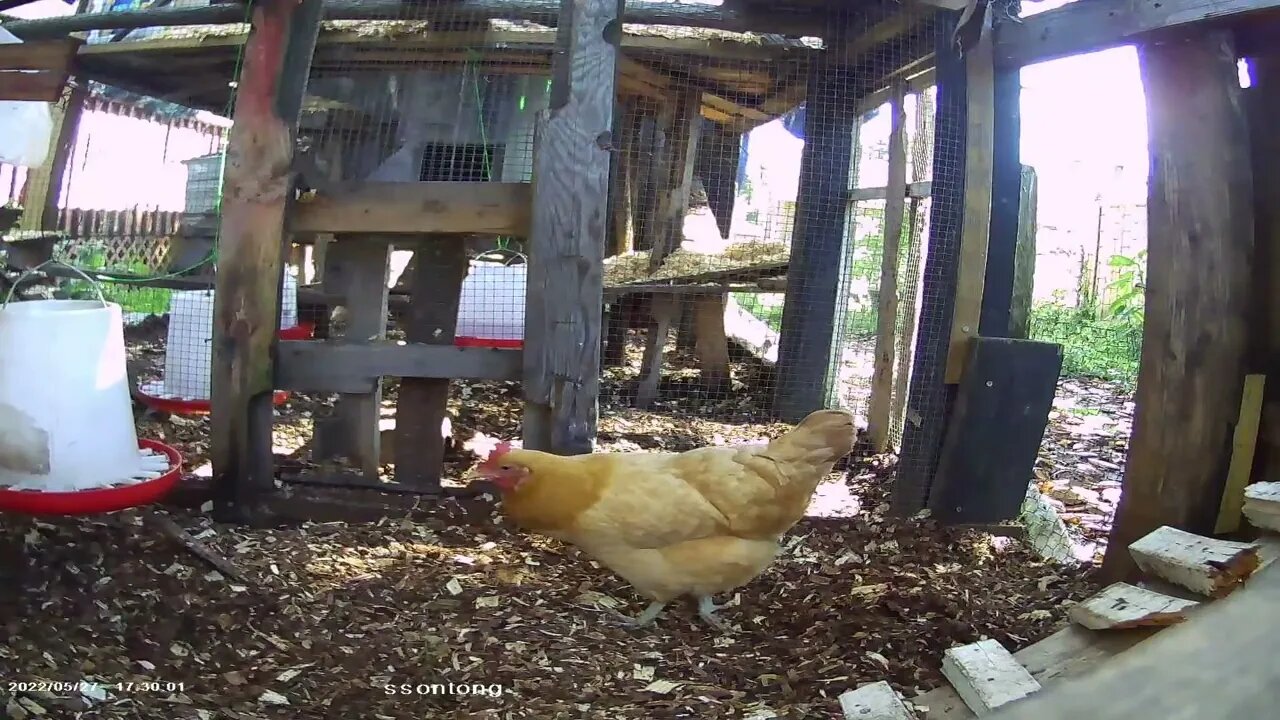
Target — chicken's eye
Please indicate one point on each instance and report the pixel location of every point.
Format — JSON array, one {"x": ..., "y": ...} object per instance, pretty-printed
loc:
[{"x": 504, "y": 467}]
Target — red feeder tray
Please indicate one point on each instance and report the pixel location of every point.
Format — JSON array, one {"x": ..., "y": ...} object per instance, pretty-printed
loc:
[
  {"x": 301, "y": 331},
  {"x": 465, "y": 341},
  {"x": 97, "y": 500}
]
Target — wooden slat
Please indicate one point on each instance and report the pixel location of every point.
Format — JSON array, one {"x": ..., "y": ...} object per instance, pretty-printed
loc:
[
  {"x": 881, "y": 403},
  {"x": 1243, "y": 445},
  {"x": 915, "y": 190},
  {"x": 491, "y": 208},
  {"x": 1083, "y": 27},
  {"x": 1220, "y": 665},
  {"x": 348, "y": 367},
  {"x": 1024, "y": 261},
  {"x": 44, "y": 86},
  {"x": 52, "y": 55},
  {"x": 974, "y": 232}
]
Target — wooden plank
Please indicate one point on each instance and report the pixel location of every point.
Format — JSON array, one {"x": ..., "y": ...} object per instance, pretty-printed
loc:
[
  {"x": 664, "y": 309},
  {"x": 351, "y": 367},
  {"x": 805, "y": 345},
  {"x": 1262, "y": 111},
  {"x": 41, "y": 86},
  {"x": 986, "y": 676},
  {"x": 1262, "y": 505},
  {"x": 570, "y": 209},
  {"x": 423, "y": 404},
  {"x": 674, "y": 192},
  {"x": 1123, "y": 606},
  {"x": 1090, "y": 26},
  {"x": 490, "y": 208},
  {"x": 929, "y": 398},
  {"x": 1024, "y": 263},
  {"x": 44, "y": 184},
  {"x": 53, "y": 55},
  {"x": 918, "y": 189},
  {"x": 1069, "y": 652},
  {"x": 874, "y": 701},
  {"x": 975, "y": 231},
  {"x": 880, "y": 405},
  {"x": 357, "y": 270},
  {"x": 1243, "y": 444},
  {"x": 254, "y": 207},
  {"x": 1220, "y": 665},
  {"x": 719, "y": 153},
  {"x": 995, "y": 318},
  {"x": 994, "y": 433},
  {"x": 1213, "y": 568},
  {"x": 1198, "y": 295},
  {"x": 711, "y": 343}
]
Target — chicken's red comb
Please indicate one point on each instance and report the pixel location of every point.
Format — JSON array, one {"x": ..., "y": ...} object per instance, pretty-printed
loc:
[{"x": 501, "y": 449}]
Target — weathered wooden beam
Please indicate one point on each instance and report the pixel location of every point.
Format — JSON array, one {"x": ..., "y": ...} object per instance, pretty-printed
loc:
[
  {"x": 490, "y": 208},
  {"x": 423, "y": 404},
  {"x": 710, "y": 340},
  {"x": 1198, "y": 669},
  {"x": 719, "y": 154},
  {"x": 987, "y": 676},
  {"x": 352, "y": 367},
  {"x": 1100, "y": 24},
  {"x": 1122, "y": 606},
  {"x": 1207, "y": 566},
  {"x": 995, "y": 319},
  {"x": 655, "y": 12},
  {"x": 36, "y": 70},
  {"x": 976, "y": 223},
  {"x": 664, "y": 311},
  {"x": 44, "y": 184},
  {"x": 257, "y": 186},
  {"x": 874, "y": 701},
  {"x": 1262, "y": 505},
  {"x": 681, "y": 153},
  {"x": 1024, "y": 260},
  {"x": 819, "y": 238},
  {"x": 1198, "y": 295},
  {"x": 915, "y": 190},
  {"x": 930, "y": 398},
  {"x": 356, "y": 269},
  {"x": 1243, "y": 448},
  {"x": 880, "y": 405},
  {"x": 1262, "y": 109},
  {"x": 571, "y": 201}
]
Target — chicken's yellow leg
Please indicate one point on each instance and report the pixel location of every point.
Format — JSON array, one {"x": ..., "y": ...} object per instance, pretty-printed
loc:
[{"x": 650, "y": 613}]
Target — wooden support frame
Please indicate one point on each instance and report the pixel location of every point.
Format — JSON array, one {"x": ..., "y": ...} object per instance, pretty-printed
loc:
[
  {"x": 677, "y": 179},
  {"x": 1262, "y": 107},
  {"x": 423, "y": 404},
  {"x": 47, "y": 180},
  {"x": 1005, "y": 201},
  {"x": 490, "y": 208},
  {"x": 571, "y": 201},
  {"x": 1199, "y": 294},
  {"x": 257, "y": 189},
  {"x": 976, "y": 227},
  {"x": 1100, "y": 24},
  {"x": 37, "y": 70},
  {"x": 357, "y": 269},
  {"x": 354, "y": 367},
  {"x": 1024, "y": 262},
  {"x": 880, "y": 406}
]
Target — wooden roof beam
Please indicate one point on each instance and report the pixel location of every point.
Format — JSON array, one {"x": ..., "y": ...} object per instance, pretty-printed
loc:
[{"x": 1084, "y": 27}]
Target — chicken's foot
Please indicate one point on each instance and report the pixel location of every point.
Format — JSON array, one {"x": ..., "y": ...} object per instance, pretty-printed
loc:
[
  {"x": 707, "y": 611},
  {"x": 649, "y": 615}
]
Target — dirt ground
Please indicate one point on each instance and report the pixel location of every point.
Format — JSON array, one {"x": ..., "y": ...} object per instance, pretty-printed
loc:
[{"x": 322, "y": 619}]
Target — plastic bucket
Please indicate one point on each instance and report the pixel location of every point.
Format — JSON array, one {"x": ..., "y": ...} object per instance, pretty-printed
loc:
[
  {"x": 491, "y": 306},
  {"x": 66, "y": 419}
]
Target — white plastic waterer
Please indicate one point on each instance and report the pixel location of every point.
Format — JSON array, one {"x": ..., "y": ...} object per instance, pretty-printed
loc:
[
  {"x": 491, "y": 306},
  {"x": 65, "y": 413},
  {"x": 188, "y": 356}
]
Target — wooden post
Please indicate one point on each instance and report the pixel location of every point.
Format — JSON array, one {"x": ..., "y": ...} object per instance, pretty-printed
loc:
[
  {"x": 921, "y": 166},
  {"x": 719, "y": 153},
  {"x": 652, "y": 148},
  {"x": 998, "y": 286},
  {"x": 710, "y": 340},
  {"x": 45, "y": 183},
  {"x": 1024, "y": 260},
  {"x": 570, "y": 208},
  {"x": 880, "y": 405},
  {"x": 1263, "y": 108},
  {"x": 682, "y": 151},
  {"x": 357, "y": 269},
  {"x": 930, "y": 399},
  {"x": 976, "y": 222},
  {"x": 424, "y": 402},
  {"x": 664, "y": 309},
  {"x": 818, "y": 238},
  {"x": 256, "y": 197},
  {"x": 623, "y": 196},
  {"x": 1200, "y": 251}
]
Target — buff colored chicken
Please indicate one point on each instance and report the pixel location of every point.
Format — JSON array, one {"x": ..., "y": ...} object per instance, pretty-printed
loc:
[{"x": 694, "y": 523}]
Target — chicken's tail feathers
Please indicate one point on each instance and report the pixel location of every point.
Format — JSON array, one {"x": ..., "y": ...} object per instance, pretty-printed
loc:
[{"x": 820, "y": 440}]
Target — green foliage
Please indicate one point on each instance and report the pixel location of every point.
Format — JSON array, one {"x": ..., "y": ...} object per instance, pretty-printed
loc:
[
  {"x": 1128, "y": 289},
  {"x": 150, "y": 301},
  {"x": 1108, "y": 349}
]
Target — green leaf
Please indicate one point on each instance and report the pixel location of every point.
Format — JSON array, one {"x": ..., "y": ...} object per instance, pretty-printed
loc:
[{"x": 1118, "y": 261}]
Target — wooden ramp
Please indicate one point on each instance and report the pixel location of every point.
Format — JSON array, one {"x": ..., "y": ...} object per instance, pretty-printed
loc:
[{"x": 1106, "y": 664}]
